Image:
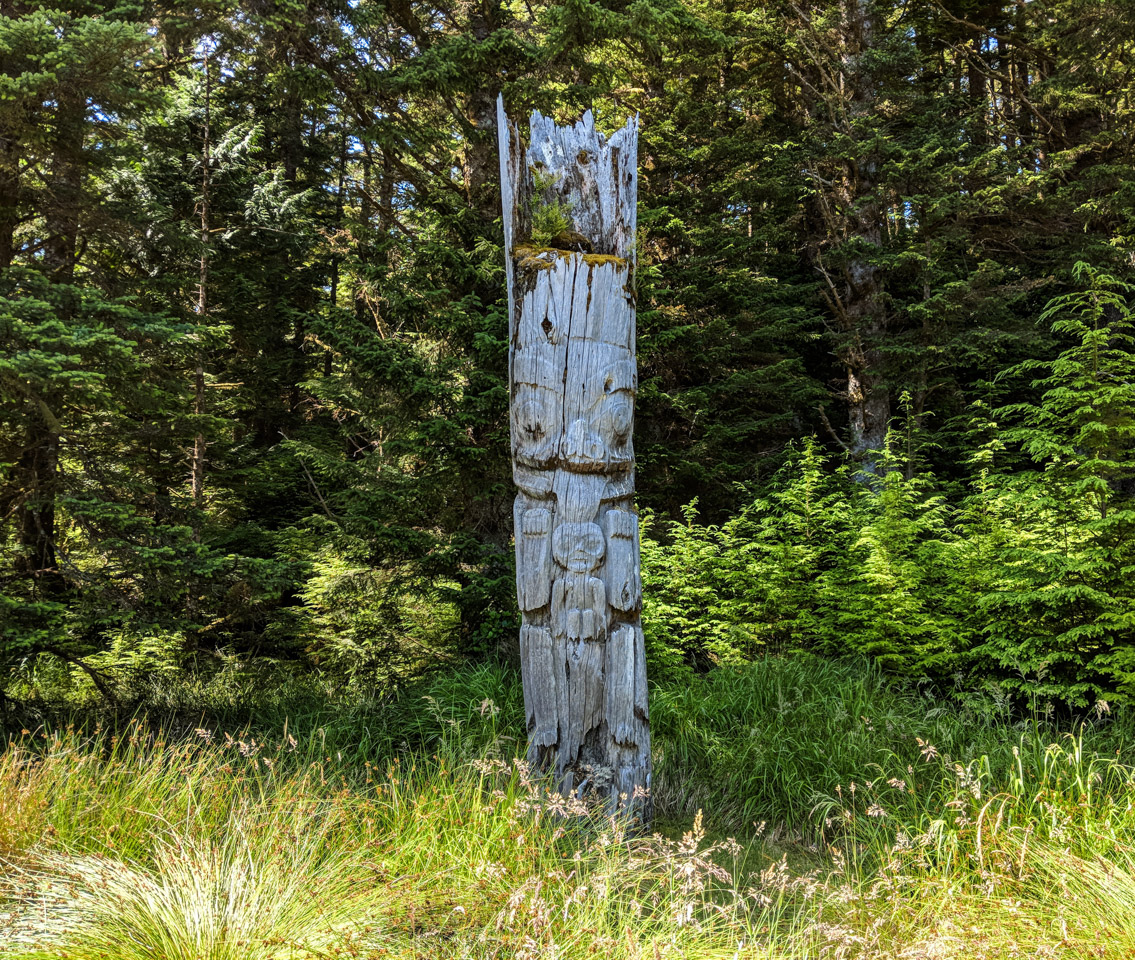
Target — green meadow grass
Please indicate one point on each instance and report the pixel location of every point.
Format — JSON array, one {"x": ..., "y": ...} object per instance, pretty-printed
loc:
[{"x": 806, "y": 809}]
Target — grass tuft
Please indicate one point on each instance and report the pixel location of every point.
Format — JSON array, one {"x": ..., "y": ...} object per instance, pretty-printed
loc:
[{"x": 235, "y": 897}]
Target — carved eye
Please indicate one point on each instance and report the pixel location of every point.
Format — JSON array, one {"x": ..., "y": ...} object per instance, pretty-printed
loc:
[
  {"x": 621, "y": 377},
  {"x": 530, "y": 418},
  {"x": 621, "y": 414}
]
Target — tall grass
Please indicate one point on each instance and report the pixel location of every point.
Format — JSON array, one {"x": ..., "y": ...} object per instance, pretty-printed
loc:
[
  {"x": 222, "y": 848},
  {"x": 766, "y": 742},
  {"x": 784, "y": 740},
  {"x": 872, "y": 822}
]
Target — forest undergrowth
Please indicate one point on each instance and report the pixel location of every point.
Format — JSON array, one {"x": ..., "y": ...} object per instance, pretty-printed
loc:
[{"x": 806, "y": 808}]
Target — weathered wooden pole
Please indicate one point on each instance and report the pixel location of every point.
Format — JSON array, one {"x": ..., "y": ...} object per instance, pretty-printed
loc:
[{"x": 573, "y": 379}]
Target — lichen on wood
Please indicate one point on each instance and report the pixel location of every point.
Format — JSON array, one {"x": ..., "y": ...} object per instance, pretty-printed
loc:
[{"x": 532, "y": 257}]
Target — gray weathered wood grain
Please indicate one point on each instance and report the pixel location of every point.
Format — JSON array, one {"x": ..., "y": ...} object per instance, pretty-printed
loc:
[{"x": 573, "y": 384}]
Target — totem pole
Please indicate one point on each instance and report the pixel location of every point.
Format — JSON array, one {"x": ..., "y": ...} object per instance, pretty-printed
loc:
[{"x": 572, "y": 381}]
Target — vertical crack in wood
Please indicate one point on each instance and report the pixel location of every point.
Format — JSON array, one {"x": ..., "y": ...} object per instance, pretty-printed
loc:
[{"x": 572, "y": 389}]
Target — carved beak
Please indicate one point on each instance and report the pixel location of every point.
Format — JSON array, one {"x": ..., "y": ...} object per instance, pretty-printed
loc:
[{"x": 582, "y": 448}]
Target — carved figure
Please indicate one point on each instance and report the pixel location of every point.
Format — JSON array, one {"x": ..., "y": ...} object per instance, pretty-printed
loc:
[
  {"x": 579, "y": 601},
  {"x": 573, "y": 383}
]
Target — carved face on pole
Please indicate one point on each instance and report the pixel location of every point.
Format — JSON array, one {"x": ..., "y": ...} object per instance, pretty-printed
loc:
[
  {"x": 579, "y": 547},
  {"x": 596, "y": 440},
  {"x": 617, "y": 411},
  {"x": 536, "y": 410}
]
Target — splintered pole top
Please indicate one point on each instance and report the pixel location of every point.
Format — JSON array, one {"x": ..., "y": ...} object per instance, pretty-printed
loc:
[{"x": 594, "y": 177}]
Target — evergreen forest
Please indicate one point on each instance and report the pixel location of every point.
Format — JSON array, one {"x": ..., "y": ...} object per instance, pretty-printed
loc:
[{"x": 259, "y": 655}]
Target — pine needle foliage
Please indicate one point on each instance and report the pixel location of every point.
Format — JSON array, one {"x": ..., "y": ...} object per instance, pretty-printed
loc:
[{"x": 1062, "y": 615}]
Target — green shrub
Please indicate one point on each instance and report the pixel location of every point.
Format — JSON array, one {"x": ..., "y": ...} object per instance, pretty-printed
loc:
[{"x": 1023, "y": 581}]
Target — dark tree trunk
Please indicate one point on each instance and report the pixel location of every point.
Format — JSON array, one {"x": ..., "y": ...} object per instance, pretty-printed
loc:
[
  {"x": 850, "y": 229},
  {"x": 480, "y": 167},
  {"x": 38, "y": 472},
  {"x": 10, "y": 155},
  {"x": 37, "y": 468}
]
